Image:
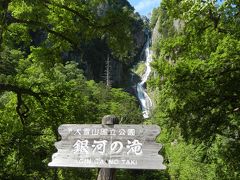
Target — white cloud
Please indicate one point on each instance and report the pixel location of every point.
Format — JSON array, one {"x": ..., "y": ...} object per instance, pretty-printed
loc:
[{"x": 146, "y": 5}]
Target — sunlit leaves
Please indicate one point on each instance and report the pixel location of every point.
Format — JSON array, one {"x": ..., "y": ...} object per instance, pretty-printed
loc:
[
  {"x": 199, "y": 85},
  {"x": 70, "y": 99}
]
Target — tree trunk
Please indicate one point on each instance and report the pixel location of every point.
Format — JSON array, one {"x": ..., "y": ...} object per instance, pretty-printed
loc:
[{"x": 106, "y": 173}]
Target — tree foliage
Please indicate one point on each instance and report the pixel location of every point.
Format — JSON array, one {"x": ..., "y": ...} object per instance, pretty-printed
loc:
[
  {"x": 197, "y": 60},
  {"x": 41, "y": 87},
  {"x": 67, "y": 98}
]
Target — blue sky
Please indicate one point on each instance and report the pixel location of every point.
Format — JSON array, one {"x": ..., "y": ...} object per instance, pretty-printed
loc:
[{"x": 144, "y": 6}]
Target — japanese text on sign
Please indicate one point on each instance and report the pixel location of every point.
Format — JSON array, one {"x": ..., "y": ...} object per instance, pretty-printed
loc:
[
  {"x": 103, "y": 132},
  {"x": 116, "y": 147}
]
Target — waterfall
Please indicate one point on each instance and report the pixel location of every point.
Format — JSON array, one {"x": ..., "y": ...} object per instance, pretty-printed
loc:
[{"x": 145, "y": 101}]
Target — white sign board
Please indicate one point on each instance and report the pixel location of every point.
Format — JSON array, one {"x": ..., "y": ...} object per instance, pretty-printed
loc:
[{"x": 104, "y": 146}]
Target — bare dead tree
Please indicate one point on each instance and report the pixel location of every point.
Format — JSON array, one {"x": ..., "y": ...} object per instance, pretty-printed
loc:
[{"x": 108, "y": 70}]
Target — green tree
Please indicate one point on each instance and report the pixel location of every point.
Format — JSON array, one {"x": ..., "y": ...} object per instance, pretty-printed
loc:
[
  {"x": 197, "y": 60},
  {"x": 68, "y": 98},
  {"x": 41, "y": 88}
]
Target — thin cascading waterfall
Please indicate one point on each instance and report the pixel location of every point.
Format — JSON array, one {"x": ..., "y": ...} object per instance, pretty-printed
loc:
[{"x": 145, "y": 101}]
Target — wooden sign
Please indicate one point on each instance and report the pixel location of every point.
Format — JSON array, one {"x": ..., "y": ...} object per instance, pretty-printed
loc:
[{"x": 104, "y": 146}]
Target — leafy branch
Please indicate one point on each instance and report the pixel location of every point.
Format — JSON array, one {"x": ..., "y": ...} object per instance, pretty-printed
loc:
[
  {"x": 86, "y": 20},
  {"x": 45, "y": 27},
  {"x": 22, "y": 109}
]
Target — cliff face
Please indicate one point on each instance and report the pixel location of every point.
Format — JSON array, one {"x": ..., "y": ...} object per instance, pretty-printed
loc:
[
  {"x": 140, "y": 39},
  {"x": 155, "y": 33},
  {"x": 93, "y": 54},
  {"x": 177, "y": 25},
  {"x": 96, "y": 53}
]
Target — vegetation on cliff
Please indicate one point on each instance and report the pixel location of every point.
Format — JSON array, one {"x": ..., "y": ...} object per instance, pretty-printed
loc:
[{"x": 198, "y": 64}]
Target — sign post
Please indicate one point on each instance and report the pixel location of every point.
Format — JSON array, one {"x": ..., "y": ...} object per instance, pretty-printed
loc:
[
  {"x": 106, "y": 173},
  {"x": 108, "y": 146}
]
